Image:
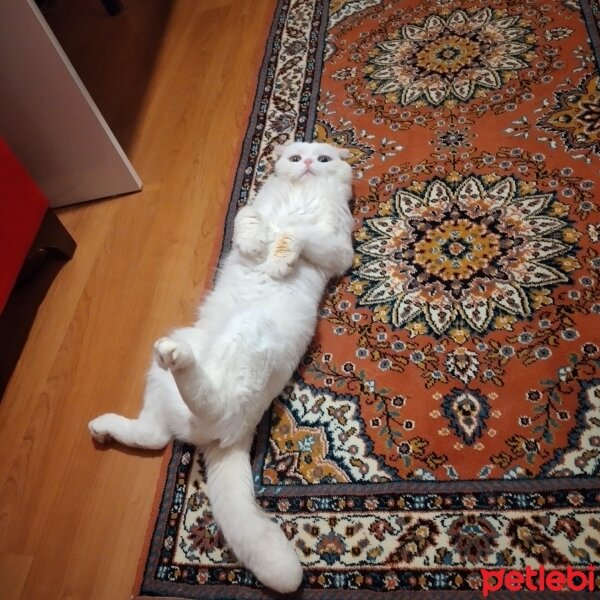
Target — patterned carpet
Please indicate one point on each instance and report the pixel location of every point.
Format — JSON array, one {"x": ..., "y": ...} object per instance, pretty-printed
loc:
[{"x": 447, "y": 416}]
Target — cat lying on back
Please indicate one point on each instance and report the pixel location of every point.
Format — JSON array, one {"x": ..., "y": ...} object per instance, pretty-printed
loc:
[{"x": 210, "y": 384}]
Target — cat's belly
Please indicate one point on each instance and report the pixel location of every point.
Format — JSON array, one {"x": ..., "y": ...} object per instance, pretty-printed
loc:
[
  {"x": 276, "y": 314},
  {"x": 243, "y": 284}
]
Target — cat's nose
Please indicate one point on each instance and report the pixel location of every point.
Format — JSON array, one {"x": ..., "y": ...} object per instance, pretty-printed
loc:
[{"x": 308, "y": 161}]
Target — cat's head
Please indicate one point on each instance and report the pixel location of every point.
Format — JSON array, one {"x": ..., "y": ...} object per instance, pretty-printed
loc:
[{"x": 305, "y": 160}]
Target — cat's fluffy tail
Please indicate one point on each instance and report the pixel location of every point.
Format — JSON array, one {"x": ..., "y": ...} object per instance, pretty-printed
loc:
[{"x": 258, "y": 543}]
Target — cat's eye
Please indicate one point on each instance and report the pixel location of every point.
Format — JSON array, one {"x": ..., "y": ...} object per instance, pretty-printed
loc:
[
  {"x": 324, "y": 158},
  {"x": 295, "y": 158}
]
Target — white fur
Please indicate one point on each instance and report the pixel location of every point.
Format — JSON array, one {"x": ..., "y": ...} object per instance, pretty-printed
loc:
[{"x": 211, "y": 383}]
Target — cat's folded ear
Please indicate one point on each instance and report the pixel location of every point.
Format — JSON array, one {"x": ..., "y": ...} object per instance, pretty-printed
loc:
[
  {"x": 278, "y": 150},
  {"x": 344, "y": 153}
]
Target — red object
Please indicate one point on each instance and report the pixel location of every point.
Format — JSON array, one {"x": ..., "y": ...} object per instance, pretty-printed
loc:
[{"x": 22, "y": 208}]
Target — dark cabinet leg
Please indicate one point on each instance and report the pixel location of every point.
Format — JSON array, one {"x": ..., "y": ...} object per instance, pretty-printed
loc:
[
  {"x": 113, "y": 7},
  {"x": 52, "y": 244},
  {"x": 51, "y": 248}
]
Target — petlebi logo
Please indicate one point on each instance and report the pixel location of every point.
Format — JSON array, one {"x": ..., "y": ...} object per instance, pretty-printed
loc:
[{"x": 538, "y": 580}]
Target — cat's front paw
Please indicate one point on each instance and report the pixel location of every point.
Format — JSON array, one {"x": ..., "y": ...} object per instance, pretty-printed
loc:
[
  {"x": 249, "y": 245},
  {"x": 283, "y": 256},
  {"x": 277, "y": 268},
  {"x": 101, "y": 427},
  {"x": 172, "y": 355},
  {"x": 249, "y": 233}
]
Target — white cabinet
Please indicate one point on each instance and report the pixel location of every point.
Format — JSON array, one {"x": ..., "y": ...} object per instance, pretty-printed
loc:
[{"x": 48, "y": 118}]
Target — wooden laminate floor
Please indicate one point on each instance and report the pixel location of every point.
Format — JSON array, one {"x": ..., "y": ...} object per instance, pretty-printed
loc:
[{"x": 174, "y": 79}]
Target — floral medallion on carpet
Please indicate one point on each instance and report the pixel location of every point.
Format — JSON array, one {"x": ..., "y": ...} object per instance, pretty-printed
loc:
[{"x": 446, "y": 418}]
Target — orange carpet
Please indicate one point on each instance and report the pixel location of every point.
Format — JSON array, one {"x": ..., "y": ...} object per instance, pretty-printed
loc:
[{"x": 446, "y": 420}]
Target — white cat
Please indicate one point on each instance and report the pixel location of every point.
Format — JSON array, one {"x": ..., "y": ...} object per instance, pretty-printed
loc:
[{"x": 211, "y": 383}]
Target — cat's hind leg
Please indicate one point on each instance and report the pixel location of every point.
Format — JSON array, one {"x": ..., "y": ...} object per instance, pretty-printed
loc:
[
  {"x": 225, "y": 380},
  {"x": 150, "y": 430},
  {"x": 138, "y": 433},
  {"x": 193, "y": 383}
]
